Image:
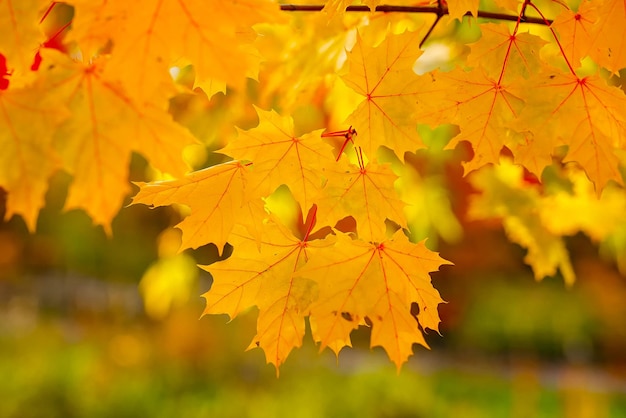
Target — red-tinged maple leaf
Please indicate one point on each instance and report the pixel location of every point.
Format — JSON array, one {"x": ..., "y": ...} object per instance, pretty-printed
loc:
[
  {"x": 596, "y": 115},
  {"x": 263, "y": 276},
  {"x": 384, "y": 76},
  {"x": 280, "y": 157},
  {"x": 21, "y": 35},
  {"x": 27, "y": 123},
  {"x": 217, "y": 197},
  {"x": 95, "y": 144},
  {"x": 480, "y": 105},
  {"x": 374, "y": 283},
  {"x": 367, "y": 193}
]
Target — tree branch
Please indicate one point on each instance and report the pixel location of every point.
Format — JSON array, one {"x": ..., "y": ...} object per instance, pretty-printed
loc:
[{"x": 414, "y": 9}]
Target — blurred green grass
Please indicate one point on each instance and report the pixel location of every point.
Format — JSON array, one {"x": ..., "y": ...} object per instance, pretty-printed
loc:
[{"x": 81, "y": 364}]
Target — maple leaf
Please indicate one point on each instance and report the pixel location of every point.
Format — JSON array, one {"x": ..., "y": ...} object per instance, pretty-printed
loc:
[
  {"x": 218, "y": 198},
  {"x": 375, "y": 283},
  {"x": 22, "y": 35},
  {"x": 263, "y": 276},
  {"x": 106, "y": 126},
  {"x": 280, "y": 157},
  {"x": 576, "y": 31},
  {"x": 504, "y": 53},
  {"x": 95, "y": 23},
  {"x": 597, "y": 115},
  {"x": 609, "y": 35},
  {"x": 483, "y": 101},
  {"x": 384, "y": 76},
  {"x": 214, "y": 36},
  {"x": 480, "y": 105},
  {"x": 367, "y": 193},
  {"x": 27, "y": 124}
]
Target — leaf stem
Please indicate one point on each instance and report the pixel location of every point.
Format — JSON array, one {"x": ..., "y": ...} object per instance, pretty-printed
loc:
[
  {"x": 556, "y": 38},
  {"x": 45, "y": 15}
]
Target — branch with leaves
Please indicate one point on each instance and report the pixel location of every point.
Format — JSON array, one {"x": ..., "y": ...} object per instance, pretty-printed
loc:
[{"x": 325, "y": 223}]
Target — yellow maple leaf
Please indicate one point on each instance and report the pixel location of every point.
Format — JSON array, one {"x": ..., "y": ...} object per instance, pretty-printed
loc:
[
  {"x": 280, "y": 157},
  {"x": 263, "y": 276},
  {"x": 375, "y": 283},
  {"x": 384, "y": 76},
  {"x": 217, "y": 197}
]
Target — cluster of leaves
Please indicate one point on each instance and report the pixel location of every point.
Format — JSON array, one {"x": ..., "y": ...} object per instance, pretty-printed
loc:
[{"x": 320, "y": 220}]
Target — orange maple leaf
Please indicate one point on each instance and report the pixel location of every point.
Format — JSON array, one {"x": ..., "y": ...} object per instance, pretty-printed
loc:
[
  {"x": 596, "y": 115},
  {"x": 280, "y": 157},
  {"x": 384, "y": 76},
  {"x": 215, "y": 36},
  {"x": 480, "y": 105},
  {"x": 375, "y": 283},
  {"x": 576, "y": 31},
  {"x": 609, "y": 35},
  {"x": 505, "y": 53}
]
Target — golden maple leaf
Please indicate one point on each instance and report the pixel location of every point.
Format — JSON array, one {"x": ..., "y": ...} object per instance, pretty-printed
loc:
[{"x": 375, "y": 283}]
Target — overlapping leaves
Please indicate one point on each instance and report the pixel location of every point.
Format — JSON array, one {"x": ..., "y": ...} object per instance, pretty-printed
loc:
[{"x": 527, "y": 94}]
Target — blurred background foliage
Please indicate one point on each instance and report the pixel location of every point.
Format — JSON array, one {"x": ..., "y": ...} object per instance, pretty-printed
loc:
[{"x": 97, "y": 326}]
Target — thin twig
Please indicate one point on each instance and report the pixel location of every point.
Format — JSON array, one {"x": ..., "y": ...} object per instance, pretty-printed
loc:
[{"x": 415, "y": 9}]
